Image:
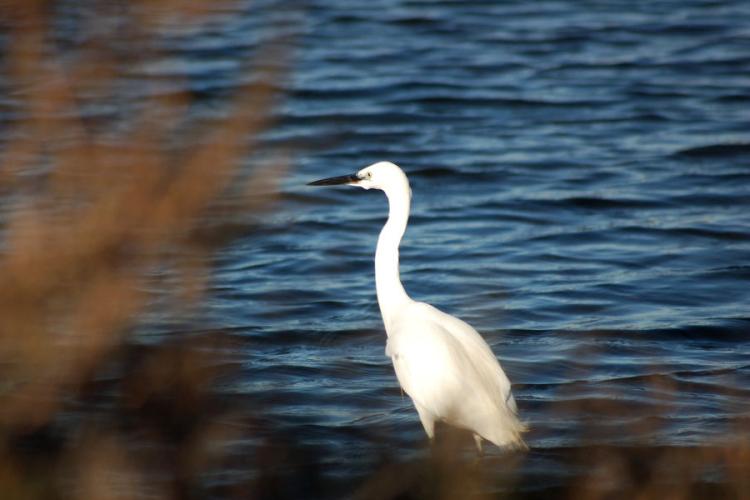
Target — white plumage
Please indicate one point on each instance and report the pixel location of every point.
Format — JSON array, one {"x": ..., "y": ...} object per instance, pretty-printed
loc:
[{"x": 441, "y": 362}]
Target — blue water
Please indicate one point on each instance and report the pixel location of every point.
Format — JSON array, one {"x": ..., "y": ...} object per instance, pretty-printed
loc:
[{"x": 581, "y": 180}]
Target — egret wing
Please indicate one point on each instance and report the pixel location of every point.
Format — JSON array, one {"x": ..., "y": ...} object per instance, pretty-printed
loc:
[
  {"x": 484, "y": 361},
  {"x": 448, "y": 369},
  {"x": 430, "y": 363}
]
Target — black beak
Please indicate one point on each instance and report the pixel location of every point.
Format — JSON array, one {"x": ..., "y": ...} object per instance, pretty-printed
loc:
[{"x": 334, "y": 181}]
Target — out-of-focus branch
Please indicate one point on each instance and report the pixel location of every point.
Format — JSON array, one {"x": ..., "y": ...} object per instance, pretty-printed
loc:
[{"x": 94, "y": 212}]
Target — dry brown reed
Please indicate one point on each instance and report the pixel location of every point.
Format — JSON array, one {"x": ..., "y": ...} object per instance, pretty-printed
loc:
[{"x": 92, "y": 208}]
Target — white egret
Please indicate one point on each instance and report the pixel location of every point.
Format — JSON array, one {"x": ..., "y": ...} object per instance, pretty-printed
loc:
[{"x": 441, "y": 362}]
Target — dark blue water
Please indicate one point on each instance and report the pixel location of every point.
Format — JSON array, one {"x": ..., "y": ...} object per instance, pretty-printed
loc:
[{"x": 581, "y": 179}]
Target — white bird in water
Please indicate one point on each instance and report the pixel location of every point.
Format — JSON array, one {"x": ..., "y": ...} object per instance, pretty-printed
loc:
[{"x": 441, "y": 362}]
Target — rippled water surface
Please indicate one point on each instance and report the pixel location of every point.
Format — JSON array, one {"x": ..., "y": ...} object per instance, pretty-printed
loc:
[{"x": 581, "y": 179}]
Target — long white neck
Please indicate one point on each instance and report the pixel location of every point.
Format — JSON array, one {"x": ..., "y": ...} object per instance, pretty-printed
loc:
[{"x": 391, "y": 293}]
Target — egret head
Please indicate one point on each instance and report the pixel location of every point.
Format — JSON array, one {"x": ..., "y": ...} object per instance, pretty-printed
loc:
[{"x": 382, "y": 175}]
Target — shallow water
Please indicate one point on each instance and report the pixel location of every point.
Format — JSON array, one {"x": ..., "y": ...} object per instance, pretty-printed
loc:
[{"x": 581, "y": 179}]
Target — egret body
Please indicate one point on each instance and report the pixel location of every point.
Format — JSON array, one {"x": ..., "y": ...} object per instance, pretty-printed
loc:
[{"x": 441, "y": 362}]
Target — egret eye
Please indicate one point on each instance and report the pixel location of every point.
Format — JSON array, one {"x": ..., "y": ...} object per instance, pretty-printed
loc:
[{"x": 369, "y": 175}]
